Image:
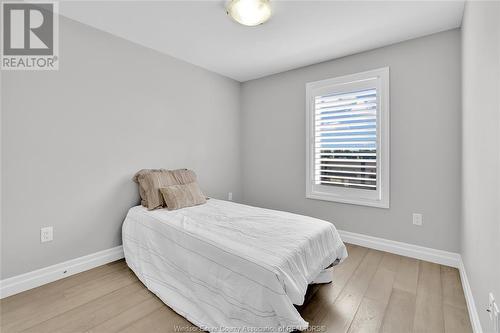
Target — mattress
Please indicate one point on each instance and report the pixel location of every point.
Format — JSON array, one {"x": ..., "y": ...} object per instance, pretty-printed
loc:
[{"x": 226, "y": 266}]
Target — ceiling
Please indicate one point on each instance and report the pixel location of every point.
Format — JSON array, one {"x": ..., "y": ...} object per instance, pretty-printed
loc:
[{"x": 299, "y": 33}]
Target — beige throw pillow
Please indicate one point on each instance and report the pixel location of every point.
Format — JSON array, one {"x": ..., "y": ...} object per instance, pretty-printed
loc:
[
  {"x": 180, "y": 196},
  {"x": 144, "y": 200},
  {"x": 143, "y": 172},
  {"x": 151, "y": 182}
]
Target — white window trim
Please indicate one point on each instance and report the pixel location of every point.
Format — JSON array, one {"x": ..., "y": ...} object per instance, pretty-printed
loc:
[{"x": 351, "y": 195}]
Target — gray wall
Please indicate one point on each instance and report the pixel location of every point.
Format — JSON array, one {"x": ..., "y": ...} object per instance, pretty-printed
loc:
[
  {"x": 481, "y": 152},
  {"x": 425, "y": 142},
  {"x": 72, "y": 139}
]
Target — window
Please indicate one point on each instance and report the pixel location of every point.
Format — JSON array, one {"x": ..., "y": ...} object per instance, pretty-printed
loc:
[{"x": 348, "y": 139}]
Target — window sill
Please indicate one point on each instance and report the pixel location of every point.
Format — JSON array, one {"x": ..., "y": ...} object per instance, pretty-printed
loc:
[{"x": 353, "y": 201}]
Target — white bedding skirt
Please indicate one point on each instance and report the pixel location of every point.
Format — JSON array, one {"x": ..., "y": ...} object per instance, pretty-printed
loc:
[{"x": 228, "y": 267}]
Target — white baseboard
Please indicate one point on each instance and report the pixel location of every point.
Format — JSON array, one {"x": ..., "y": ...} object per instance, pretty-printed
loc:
[
  {"x": 33, "y": 279},
  {"x": 408, "y": 250},
  {"x": 469, "y": 298}
]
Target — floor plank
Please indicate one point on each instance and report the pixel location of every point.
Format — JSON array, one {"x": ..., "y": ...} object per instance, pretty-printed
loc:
[
  {"x": 340, "y": 316},
  {"x": 398, "y": 317},
  {"x": 368, "y": 317},
  {"x": 456, "y": 320},
  {"x": 163, "y": 320},
  {"x": 126, "y": 318},
  {"x": 453, "y": 294},
  {"x": 407, "y": 275},
  {"x": 391, "y": 261},
  {"x": 429, "y": 315},
  {"x": 456, "y": 317},
  {"x": 370, "y": 313},
  {"x": 372, "y": 291}
]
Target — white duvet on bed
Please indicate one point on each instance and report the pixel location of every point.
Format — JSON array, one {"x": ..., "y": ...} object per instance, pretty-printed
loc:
[{"x": 224, "y": 265}]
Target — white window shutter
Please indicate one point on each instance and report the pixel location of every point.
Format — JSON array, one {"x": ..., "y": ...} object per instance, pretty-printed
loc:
[{"x": 347, "y": 139}]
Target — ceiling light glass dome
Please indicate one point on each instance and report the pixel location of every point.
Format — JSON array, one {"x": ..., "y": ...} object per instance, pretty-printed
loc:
[{"x": 249, "y": 12}]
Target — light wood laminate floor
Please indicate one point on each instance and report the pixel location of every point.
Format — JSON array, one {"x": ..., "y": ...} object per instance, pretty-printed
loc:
[{"x": 372, "y": 291}]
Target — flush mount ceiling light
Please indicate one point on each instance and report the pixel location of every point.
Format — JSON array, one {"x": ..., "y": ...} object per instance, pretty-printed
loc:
[{"x": 249, "y": 12}]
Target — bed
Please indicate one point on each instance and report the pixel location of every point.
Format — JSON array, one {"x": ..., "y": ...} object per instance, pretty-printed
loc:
[{"x": 226, "y": 266}]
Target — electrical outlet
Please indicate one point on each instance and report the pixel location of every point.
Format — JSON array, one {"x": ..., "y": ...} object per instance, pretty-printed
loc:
[
  {"x": 496, "y": 318},
  {"x": 494, "y": 313},
  {"x": 230, "y": 196},
  {"x": 46, "y": 234},
  {"x": 417, "y": 219},
  {"x": 491, "y": 301}
]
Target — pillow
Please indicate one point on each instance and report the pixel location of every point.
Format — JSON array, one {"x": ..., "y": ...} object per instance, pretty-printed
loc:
[
  {"x": 181, "y": 196},
  {"x": 144, "y": 201},
  {"x": 150, "y": 183}
]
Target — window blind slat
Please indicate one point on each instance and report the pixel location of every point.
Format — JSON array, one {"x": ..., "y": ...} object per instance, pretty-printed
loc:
[
  {"x": 349, "y": 178},
  {"x": 324, "y": 103},
  {"x": 322, "y": 138},
  {"x": 358, "y": 130},
  {"x": 324, "y": 182},
  {"x": 346, "y": 96},
  {"x": 345, "y": 114},
  {"x": 349, "y": 160},
  {"x": 351, "y": 166},
  {"x": 348, "y": 172},
  {"x": 320, "y": 110},
  {"x": 324, "y": 126},
  {"x": 344, "y": 154},
  {"x": 347, "y": 144},
  {"x": 333, "y": 120},
  {"x": 352, "y": 150}
]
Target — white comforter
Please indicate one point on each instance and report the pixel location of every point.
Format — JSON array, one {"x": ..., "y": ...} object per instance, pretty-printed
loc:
[{"x": 226, "y": 266}]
